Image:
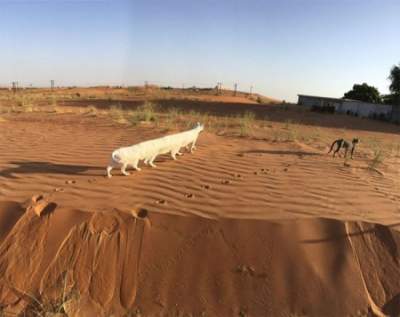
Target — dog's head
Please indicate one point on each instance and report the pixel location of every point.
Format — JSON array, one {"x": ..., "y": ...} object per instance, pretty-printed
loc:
[
  {"x": 355, "y": 141},
  {"x": 200, "y": 126}
]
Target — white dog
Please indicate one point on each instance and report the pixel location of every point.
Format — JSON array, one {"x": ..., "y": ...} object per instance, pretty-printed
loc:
[
  {"x": 173, "y": 143},
  {"x": 149, "y": 150}
]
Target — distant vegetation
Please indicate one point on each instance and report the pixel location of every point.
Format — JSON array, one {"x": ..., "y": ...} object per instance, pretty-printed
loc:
[
  {"x": 367, "y": 93},
  {"x": 394, "y": 87},
  {"x": 364, "y": 93}
]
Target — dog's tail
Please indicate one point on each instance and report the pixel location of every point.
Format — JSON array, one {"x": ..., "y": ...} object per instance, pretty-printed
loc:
[
  {"x": 115, "y": 157},
  {"x": 333, "y": 144}
]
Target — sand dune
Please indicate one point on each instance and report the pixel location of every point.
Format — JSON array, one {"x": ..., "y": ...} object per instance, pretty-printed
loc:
[
  {"x": 241, "y": 227},
  {"x": 164, "y": 265}
]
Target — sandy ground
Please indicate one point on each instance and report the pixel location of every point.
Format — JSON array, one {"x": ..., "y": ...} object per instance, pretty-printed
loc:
[{"x": 242, "y": 227}]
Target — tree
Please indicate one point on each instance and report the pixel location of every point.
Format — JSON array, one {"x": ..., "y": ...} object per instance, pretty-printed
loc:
[
  {"x": 364, "y": 92},
  {"x": 389, "y": 99},
  {"x": 395, "y": 81}
]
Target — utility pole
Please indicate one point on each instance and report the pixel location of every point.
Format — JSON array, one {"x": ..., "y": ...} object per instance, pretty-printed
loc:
[
  {"x": 52, "y": 84},
  {"x": 14, "y": 86},
  {"x": 219, "y": 88},
  {"x": 251, "y": 90},
  {"x": 235, "y": 89}
]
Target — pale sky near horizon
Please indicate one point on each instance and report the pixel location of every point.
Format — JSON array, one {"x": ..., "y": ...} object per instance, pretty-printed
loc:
[{"x": 282, "y": 48}]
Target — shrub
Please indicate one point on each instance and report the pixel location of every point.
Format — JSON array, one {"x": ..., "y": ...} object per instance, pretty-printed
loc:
[{"x": 246, "y": 122}]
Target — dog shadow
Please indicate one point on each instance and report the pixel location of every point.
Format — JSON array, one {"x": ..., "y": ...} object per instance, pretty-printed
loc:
[
  {"x": 282, "y": 152},
  {"x": 36, "y": 167}
]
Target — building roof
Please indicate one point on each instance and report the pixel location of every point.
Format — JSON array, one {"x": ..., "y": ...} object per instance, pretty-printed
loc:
[
  {"x": 342, "y": 99},
  {"x": 326, "y": 98}
]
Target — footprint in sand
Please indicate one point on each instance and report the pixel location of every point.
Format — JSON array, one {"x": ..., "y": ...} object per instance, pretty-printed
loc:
[
  {"x": 206, "y": 186},
  {"x": 189, "y": 195},
  {"x": 237, "y": 175},
  {"x": 226, "y": 182},
  {"x": 70, "y": 181},
  {"x": 58, "y": 189},
  {"x": 161, "y": 202}
]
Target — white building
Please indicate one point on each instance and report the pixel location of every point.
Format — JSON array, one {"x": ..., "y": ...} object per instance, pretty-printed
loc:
[{"x": 348, "y": 106}]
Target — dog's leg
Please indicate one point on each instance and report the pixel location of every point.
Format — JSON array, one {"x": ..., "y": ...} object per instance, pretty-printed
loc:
[
  {"x": 336, "y": 151},
  {"x": 135, "y": 165},
  {"x": 123, "y": 169},
  {"x": 151, "y": 162},
  {"x": 193, "y": 146},
  {"x": 352, "y": 151},
  {"x": 109, "y": 168}
]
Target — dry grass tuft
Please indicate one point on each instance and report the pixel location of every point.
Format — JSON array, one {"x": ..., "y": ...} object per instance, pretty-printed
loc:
[
  {"x": 377, "y": 159},
  {"x": 246, "y": 123},
  {"x": 92, "y": 111},
  {"x": 117, "y": 114}
]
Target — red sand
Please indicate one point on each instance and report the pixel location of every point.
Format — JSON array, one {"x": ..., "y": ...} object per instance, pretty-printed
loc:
[{"x": 239, "y": 228}]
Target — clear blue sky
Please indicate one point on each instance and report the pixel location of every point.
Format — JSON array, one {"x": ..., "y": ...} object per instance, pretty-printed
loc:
[{"x": 283, "y": 48}]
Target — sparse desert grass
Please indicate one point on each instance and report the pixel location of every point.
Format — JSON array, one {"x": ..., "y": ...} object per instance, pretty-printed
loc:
[
  {"x": 21, "y": 103},
  {"x": 277, "y": 135},
  {"x": 204, "y": 118},
  {"x": 92, "y": 111},
  {"x": 222, "y": 124},
  {"x": 191, "y": 118},
  {"x": 378, "y": 152},
  {"x": 117, "y": 114},
  {"x": 284, "y": 135},
  {"x": 288, "y": 123},
  {"x": 246, "y": 123},
  {"x": 42, "y": 307},
  {"x": 170, "y": 118},
  {"x": 291, "y": 133},
  {"x": 173, "y": 113},
  {"x": 145, "y": 113},
  {"x": 377, "y": 158}
]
